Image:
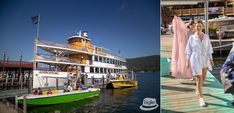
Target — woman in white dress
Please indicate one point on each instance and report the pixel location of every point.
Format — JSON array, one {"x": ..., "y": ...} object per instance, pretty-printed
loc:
[{"x": 199, "y": 52}]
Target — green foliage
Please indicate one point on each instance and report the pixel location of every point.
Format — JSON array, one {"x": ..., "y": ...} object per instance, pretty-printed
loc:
[{"x": 146, "y": 64}]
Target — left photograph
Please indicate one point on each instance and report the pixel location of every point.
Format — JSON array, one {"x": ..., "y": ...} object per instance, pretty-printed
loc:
[{"x": 79, "y": 56}]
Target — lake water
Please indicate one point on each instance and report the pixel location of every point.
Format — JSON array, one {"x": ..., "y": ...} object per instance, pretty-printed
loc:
[{"x": 126, "y": 100}]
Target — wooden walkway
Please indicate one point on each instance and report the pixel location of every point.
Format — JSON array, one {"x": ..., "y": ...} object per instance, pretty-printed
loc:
[{"x": 178, "y": 95}]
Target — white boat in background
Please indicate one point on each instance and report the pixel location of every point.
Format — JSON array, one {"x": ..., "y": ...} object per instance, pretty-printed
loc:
[
  {"x": 221, "y": 21},
  {"x": 55, "y": 62}
]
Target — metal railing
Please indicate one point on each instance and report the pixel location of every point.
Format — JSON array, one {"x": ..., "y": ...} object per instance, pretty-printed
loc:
[
  {"x": 57, "y": 59},
  {"x": 66, "y": 46},
  {"x": 49, "y": 43}
]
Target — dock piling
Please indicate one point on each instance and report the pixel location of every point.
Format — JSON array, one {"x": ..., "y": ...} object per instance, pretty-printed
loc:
[
  {"x": 29, "y": 83},
  {"x": 103, "y": 81},
  {"x": 6, "y": 79},
  {"x": 24, "y": 105},
  {"x": 12, "y": 79},
  {"x": 56, "y": 83},
  {"x": 92, "y": 79},
  {"x": 16, "y": 102}
]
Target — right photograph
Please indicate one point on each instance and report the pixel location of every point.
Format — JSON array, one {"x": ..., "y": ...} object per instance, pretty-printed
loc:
[{"x": 197, "y": 56}]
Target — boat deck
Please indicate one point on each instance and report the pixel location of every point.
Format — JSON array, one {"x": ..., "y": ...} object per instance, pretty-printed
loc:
[{"x": 178, "y": 95}]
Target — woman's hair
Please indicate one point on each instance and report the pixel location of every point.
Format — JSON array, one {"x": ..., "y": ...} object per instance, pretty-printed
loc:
[
  {"x": 200, "y": 21},
  {"x": 191, "y": 22}
]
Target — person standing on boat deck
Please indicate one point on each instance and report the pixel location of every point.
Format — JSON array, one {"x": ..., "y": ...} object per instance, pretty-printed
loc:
[{"x": 199, "y": 52}]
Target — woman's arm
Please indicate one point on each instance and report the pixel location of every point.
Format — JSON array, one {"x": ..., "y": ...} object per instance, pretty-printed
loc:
[{"x": 210, "y": 51}]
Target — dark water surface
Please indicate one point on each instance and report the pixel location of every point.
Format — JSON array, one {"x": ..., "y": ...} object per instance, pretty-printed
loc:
[
  {"x": 218, "y": 63},
  {"x": 126, "y": 100}
]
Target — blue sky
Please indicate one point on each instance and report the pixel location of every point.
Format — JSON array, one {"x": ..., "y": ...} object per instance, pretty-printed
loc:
[{"x": 131, "y": 26}]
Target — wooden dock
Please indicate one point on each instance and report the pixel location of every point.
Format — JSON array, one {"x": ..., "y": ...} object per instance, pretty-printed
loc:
[{"x": 178, "y": 95}]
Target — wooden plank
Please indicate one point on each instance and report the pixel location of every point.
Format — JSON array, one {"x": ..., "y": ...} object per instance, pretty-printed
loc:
[{"x": 178, "y": 95}]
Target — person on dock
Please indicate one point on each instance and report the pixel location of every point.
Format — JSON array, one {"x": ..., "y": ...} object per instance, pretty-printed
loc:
[
  {"x": 49, "y": 92},
  {"x": 191, "y": 31},
  {"x": 39, "y": 91},
  {"x": 65, "y": 88},
  {"x": 199, "y": 52},
  {"x": 70, "y": 89},
  {"x": 35, "y": 92}
]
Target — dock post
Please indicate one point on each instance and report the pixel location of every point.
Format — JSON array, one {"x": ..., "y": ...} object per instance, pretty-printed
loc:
[
  {"x": 56, "y": 83},
  {"x": 4, "y": 58},
  {"x": 20, "y": 71},
  {"x": 92, "y": 79},
  {"x": 6, "y": 79},
  {"x": 12, "y": 80},
  {"x": 16, "y": 102},
  {"x": 29, "y": 82},
  {"x": 103, "y": 81},
  {"x": 25, "y": 105}
]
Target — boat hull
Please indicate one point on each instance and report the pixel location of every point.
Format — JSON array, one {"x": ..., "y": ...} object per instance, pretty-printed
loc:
[
  {"x": 121, "y": 84},
  {"x": 57, "y": 99}
]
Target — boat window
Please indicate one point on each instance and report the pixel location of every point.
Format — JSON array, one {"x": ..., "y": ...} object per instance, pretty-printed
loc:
[
  {"x": 104, "y": 60},
  {"x": 82, "y": 69},
  {"x": 97, "y": 70},
  {"x": 108, "y": 60},
  {"x": 111, "y": 61},
  {"x": 101, "y": 70},
  {"x": 96, "y": 58},
  {"x": 91, "y": 70},
  {"x": 100, "y": 59},
  {"x": 104, "y": 70}
]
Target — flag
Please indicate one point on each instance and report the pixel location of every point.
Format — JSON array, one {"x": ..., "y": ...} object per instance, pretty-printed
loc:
[{"x": 35, "y": 19}]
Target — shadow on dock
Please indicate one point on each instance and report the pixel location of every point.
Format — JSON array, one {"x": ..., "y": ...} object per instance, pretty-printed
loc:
[{"x": 177, "y": 97}]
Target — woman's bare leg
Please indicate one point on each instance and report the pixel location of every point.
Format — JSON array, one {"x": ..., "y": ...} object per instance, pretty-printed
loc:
[
  {"x": 199, "y": 85},
  {"x": 204, "y": 72}
]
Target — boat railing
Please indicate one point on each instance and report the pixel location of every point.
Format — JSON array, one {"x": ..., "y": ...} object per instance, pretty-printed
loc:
[
  {"x": 57, "y": 59},
  {"x": 66, "y": 46},
  {"x": 84, "y": 48}
]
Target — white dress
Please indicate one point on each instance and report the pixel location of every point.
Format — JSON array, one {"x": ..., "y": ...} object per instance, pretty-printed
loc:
[{"x": 199, "y": 53}]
